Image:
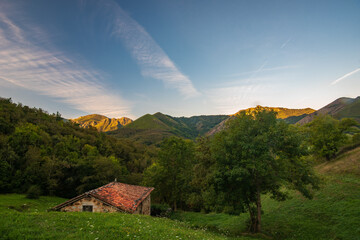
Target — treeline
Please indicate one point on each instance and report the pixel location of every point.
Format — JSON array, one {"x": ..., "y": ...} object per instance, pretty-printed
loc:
[
  {"x": 256, "y": 154},
  {"x": 58, "y": 157}
]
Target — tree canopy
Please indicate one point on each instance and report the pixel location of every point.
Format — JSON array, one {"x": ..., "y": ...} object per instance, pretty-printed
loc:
[
  {"x": 60, "y": 158},
  {"x": 170, "y": 173},
  {"x": 327, "y": 134}
]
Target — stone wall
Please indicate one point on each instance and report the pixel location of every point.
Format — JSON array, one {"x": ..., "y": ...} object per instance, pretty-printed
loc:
[
  {"x": 144, "y": 207},
  {"x": 97, "y": 206}
]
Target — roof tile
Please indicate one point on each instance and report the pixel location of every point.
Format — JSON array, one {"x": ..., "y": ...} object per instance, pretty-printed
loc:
[{"x": 124, "y": 196}]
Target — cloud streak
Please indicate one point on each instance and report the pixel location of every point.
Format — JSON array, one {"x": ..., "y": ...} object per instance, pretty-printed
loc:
[
  {"x": 27, "y": 62},
  {"x": 153, "y": 61},
  {"x": 230, "y": 99},
  {"x": 285, "y": 43},
  {"x": 345, "y": 76},
  {"x": 262, "y": 69}
]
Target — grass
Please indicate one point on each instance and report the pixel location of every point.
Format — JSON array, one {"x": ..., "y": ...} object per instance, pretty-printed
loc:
[
  {"x": 334, "y": 213},
  {"x": 22, "y": 218},
  {"x": 348, "y": 162}
]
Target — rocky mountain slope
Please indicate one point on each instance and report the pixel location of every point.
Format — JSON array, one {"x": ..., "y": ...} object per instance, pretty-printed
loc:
[
  {"x": 102, "y": 123},
  {"x": 340, "y": 108}
]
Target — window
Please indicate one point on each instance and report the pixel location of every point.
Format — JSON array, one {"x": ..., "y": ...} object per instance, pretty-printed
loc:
[{"x": 87, "y": 208}]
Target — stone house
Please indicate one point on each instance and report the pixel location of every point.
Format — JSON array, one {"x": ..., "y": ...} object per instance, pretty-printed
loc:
[{"x": 112, "y": 197}]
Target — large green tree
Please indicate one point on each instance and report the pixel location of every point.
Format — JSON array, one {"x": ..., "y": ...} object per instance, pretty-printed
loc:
[{"x": 255, "y": 155}]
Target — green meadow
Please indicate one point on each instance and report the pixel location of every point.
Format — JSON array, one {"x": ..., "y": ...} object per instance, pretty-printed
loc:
[
  {"x": 22, "y": 218},
  {"x": 334, "y": 213}
]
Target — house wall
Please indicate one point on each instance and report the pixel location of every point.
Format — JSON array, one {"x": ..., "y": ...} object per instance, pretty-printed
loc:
[
  {"x": 144, "y": 207},
  {"x": 98, "y": 206}
]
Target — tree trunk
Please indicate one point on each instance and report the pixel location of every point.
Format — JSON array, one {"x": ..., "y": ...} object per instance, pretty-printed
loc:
[
  {"x": 255, "y": 212},
  {"x": 258, "y": 207},
  {"x": 252, "y": 224},
  {"x": 175, "y": 207}
]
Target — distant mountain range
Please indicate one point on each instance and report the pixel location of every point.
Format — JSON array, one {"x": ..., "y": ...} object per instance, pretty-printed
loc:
[
  {"x": 153, "y": 128},
  {"x": 102, "y": 123}
]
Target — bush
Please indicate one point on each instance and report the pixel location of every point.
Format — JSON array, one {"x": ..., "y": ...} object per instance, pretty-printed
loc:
[
  {"x": 161, "y": 210},
  {"x": 33, "y": 192}
]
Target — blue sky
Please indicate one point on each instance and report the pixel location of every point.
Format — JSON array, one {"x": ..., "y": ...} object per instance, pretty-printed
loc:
[{"x": 183, "y": 58}]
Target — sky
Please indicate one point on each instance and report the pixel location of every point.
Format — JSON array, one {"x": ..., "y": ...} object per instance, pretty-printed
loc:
[{"x": 179, "y": 57}]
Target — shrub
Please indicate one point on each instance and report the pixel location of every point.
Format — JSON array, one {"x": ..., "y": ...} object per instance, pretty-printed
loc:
[
  {"x": 161, "y": 210},
  {"x": 33, "y": 192}
]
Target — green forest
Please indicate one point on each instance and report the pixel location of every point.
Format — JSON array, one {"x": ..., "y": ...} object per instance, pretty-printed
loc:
[{"x": 46, "y": 152}]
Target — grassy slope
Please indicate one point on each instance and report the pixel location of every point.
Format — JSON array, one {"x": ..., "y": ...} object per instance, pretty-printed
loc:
[
  {"x": 334, "y": 213},
  {"x": 350, "y": 111},
  {"x": 31, "y": 221}
]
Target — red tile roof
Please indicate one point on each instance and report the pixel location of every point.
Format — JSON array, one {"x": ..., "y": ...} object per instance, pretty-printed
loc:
[{"x": 123, "y": 196}]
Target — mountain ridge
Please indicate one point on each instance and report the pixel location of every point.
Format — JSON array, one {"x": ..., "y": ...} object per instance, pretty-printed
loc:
[
  {"x": 153, "y": 128},
  {"x": 101, "y": 123},
  {"x": 282, "y": 113},
  {"x": 340, "y": 108},
  {"x": 286, "y": 114}
]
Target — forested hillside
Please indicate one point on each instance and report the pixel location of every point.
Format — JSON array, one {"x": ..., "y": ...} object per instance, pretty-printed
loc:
[
  {"x": 57, "y": 157},
  {"x": 152, "y": 129}
]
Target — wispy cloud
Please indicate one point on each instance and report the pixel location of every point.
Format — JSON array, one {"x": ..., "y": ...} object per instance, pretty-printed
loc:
[
  {"x": 263, "y": 68},
  {"x": 153, "y": 61},
  {"x": 29, "y": 63},
  {"x": 345, "y": 76},
  {"x": 285, "y": 43},
  {"x": 230, "y": 99}
]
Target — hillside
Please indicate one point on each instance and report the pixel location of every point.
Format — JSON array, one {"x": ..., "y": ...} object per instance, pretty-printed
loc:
[
  {"x": 282, "y": 113},
  {"x": 154, "y": 128},
  {"x": 340, "y": 108},
  {"x": 346, "y": 163},
  {"x": 101, "y": 123},
  {"x": 60, "y": 158},
  {"x": 288, "y": 115}
]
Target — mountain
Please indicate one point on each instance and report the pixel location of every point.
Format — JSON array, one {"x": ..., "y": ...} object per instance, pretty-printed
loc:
[
  {"x": 287, "y": 114},
  {"x": 282, "y": 113},
  {"x": 102, "y": 123},
  {"x": 340, "y": 108},
  {"x": 153, "y": 128}
]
